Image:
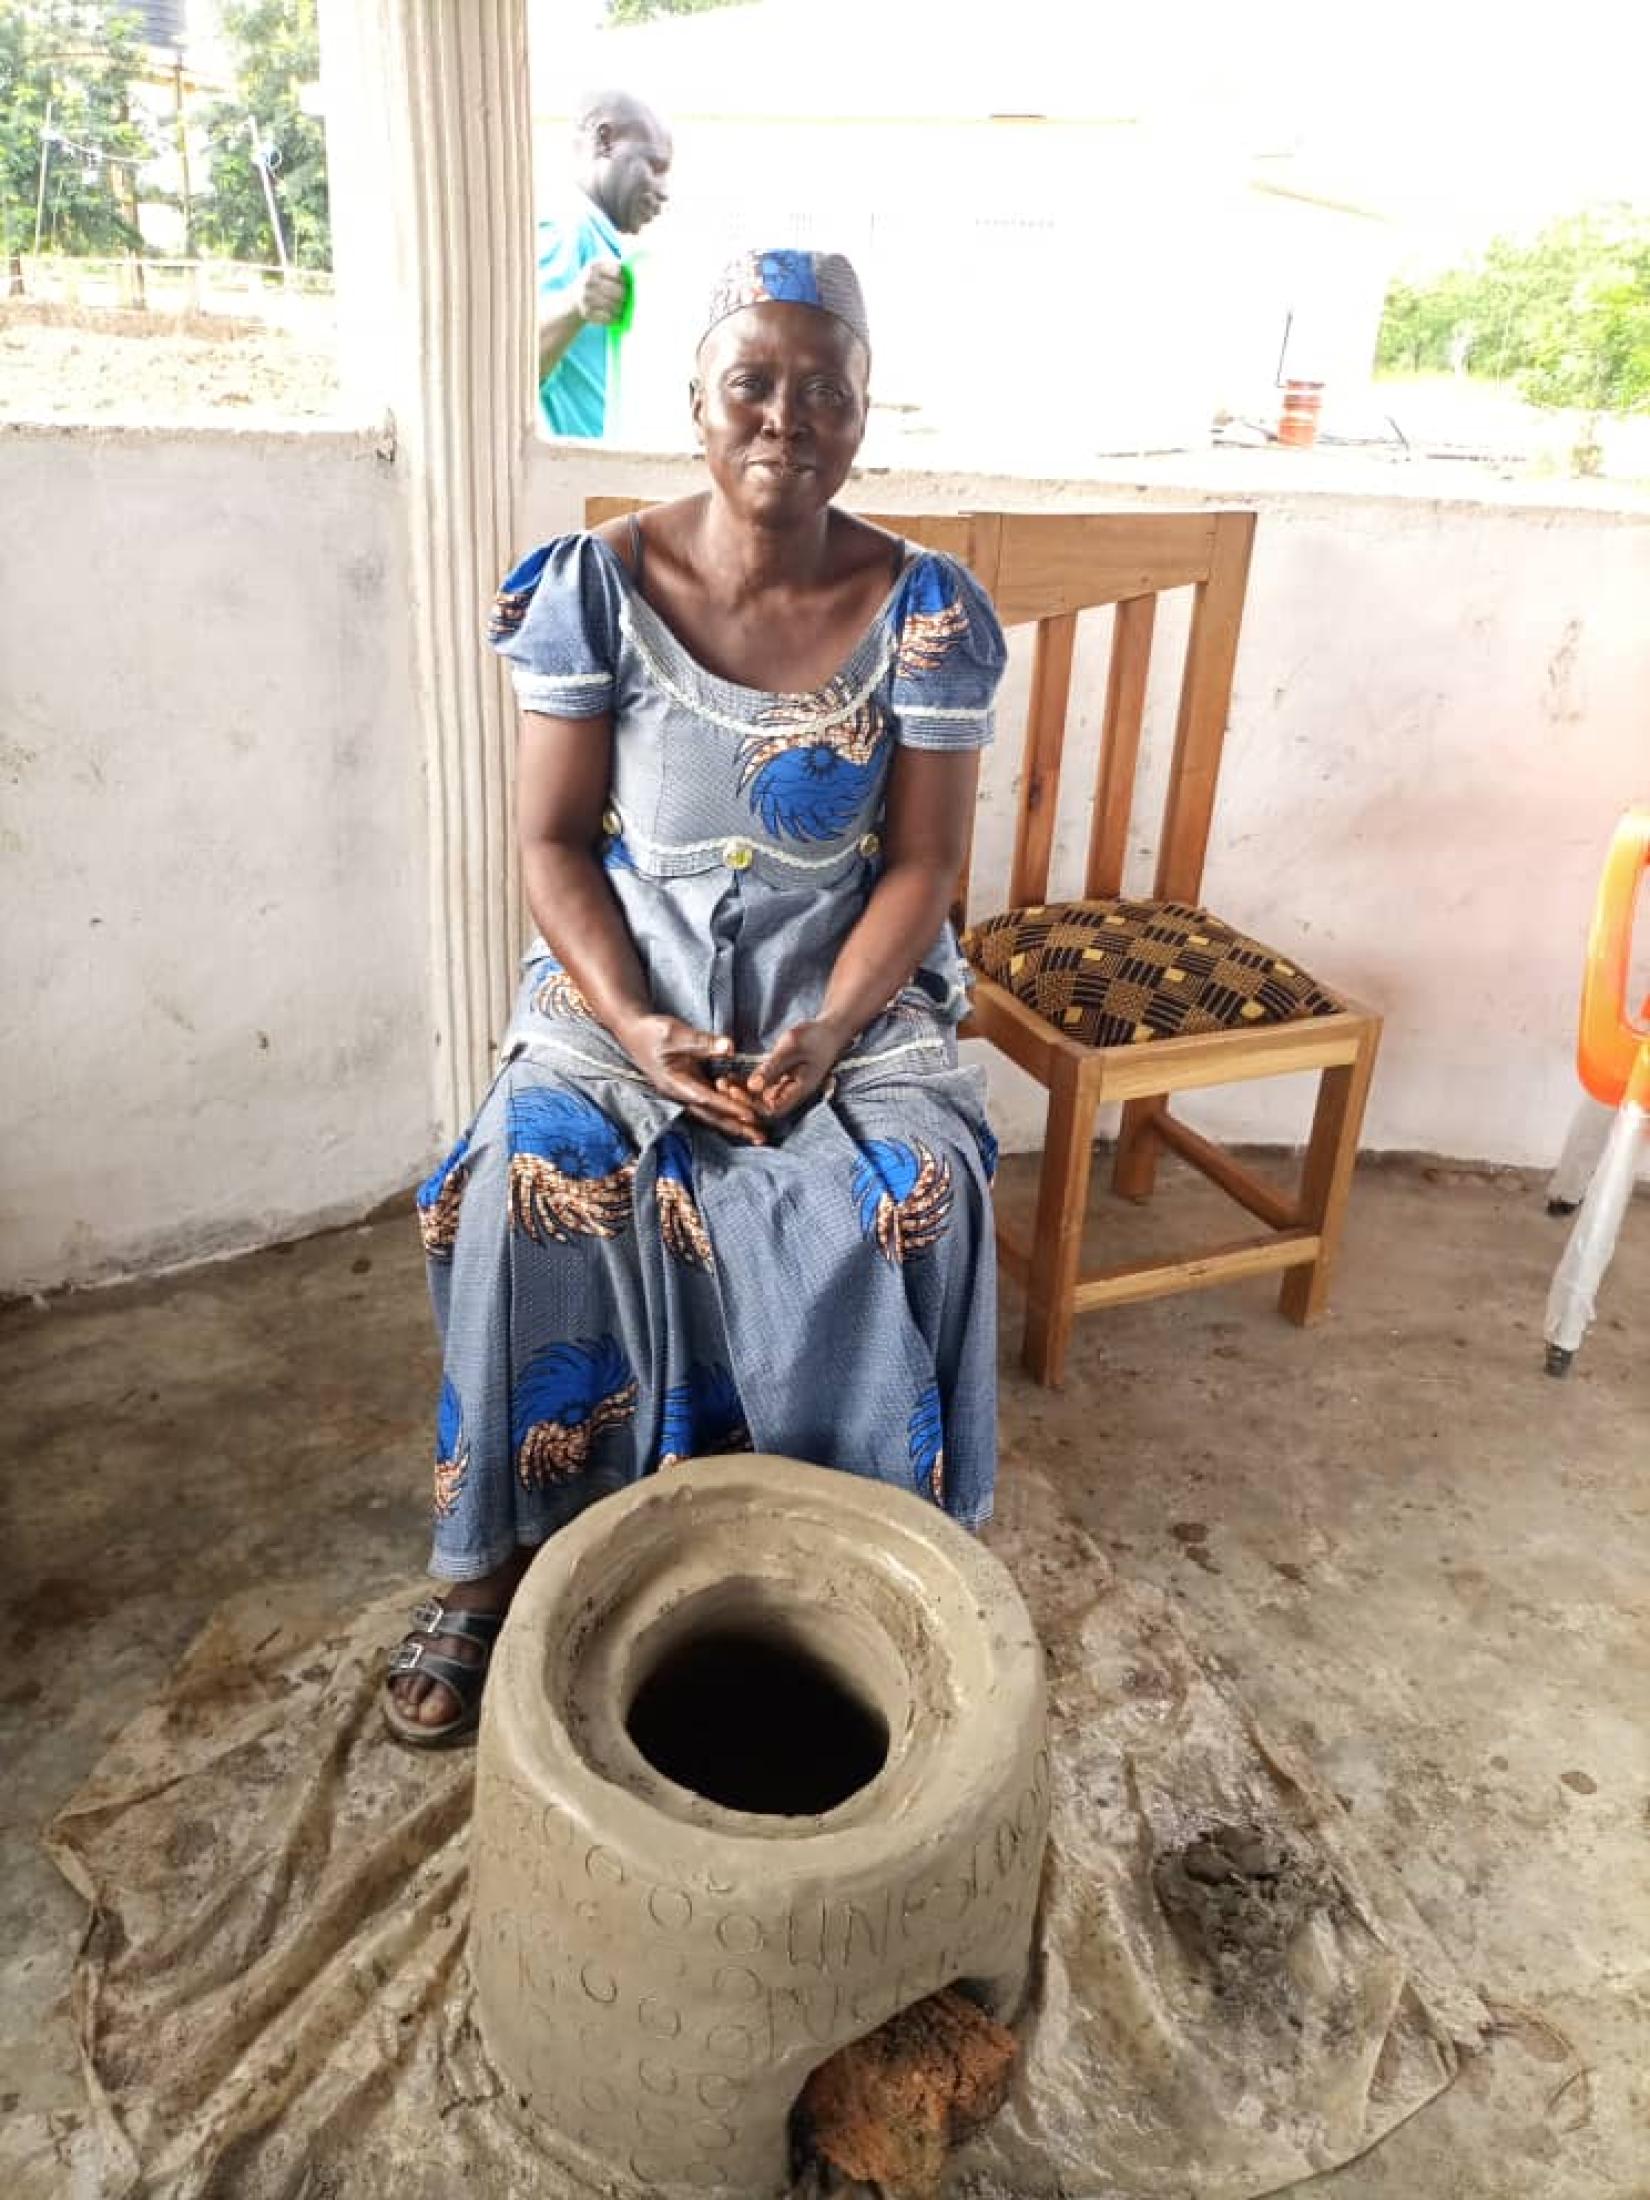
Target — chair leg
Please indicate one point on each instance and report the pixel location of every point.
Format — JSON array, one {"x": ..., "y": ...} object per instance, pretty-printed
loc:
[
  {"x": 1056, "y": 1249},
  {"x": 1589, "y": 1133},
  {"x": 1134, "y": 1164},
  {"x": 1326, "y": 1179}
]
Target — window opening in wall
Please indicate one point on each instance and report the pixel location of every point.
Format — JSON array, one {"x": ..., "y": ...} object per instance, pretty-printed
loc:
[
  {"x": 1085, "y": 239},
  {"x": 165, "y": 249}
]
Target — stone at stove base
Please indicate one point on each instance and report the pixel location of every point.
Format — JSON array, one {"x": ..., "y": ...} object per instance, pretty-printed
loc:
[{"x": 888, "y": 2110}]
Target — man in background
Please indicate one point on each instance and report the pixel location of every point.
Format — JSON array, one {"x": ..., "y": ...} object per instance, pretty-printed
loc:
[{"x": 621, "y": 163}]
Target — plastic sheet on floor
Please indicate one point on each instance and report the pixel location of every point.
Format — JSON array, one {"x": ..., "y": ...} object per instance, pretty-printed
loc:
[{"x": 272, "y": 1999}]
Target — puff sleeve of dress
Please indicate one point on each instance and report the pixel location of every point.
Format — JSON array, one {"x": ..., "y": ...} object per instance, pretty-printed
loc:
[
  {"x": 949, "y": 658},
  {"x": 556, "y": 619}
]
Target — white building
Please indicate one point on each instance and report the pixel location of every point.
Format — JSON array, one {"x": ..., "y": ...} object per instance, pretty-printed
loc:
[{"x": 1059, "y": 267}]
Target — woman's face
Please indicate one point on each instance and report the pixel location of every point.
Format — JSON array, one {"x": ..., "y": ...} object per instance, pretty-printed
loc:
[{"x": 779, "y": 406}]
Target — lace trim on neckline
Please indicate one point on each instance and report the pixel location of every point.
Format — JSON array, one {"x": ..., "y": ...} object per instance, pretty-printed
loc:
[
  {"x": 773, "y": 703},
  {"x": 670, "y": 648}
]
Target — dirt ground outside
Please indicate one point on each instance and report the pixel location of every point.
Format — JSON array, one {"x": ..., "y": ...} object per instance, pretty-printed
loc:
[
  {"x": 112, "y": 364},
  {"x": 75, "y": 348}
]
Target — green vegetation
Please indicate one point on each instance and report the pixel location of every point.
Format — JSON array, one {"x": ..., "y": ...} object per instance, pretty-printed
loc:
[
  {"x": 277, "y": 52},
  {"x": 1566, "y": 316},
  {"x": 644, "y": 11},
  {"x": 66, "y": 73}
]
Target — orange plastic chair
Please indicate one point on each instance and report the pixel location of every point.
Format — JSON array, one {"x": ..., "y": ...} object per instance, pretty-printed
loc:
[
  {"x": 1614, "y": 1052},
  {"x": 1613, "y": 1057}
]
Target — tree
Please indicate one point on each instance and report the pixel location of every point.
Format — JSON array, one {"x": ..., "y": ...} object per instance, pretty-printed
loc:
[
  {"x": 1422, "y": 327},
  {"x": 66, "y": 68},
  {"x": 1527, "y": 288},
  {"x": 1593, "y": 353},
  {"x": 1565, "y": 315},
  {"x": 277, "y": 52},
  {"x": 1594, "y": 357},
  {"x": 645, "y": 11}
]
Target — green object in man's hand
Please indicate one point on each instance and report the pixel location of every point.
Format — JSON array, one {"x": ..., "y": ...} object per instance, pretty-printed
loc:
[{"x": 617, "y": 329}]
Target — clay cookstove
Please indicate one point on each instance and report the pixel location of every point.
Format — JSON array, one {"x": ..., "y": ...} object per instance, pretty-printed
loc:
[{"x": 763, "y": 1762}]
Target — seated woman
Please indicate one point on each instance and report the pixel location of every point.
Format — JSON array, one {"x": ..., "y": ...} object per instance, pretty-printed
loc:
[{"x": 730, "y": 1187}]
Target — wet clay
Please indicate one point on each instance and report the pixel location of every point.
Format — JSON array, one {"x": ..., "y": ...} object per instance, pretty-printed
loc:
[
  {"x": 1239, "y": 1898},
  {"x": 763, "y": 1763}
]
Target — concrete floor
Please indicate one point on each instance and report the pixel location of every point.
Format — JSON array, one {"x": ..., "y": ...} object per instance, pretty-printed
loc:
[{"x": 1425, "y": 1564}]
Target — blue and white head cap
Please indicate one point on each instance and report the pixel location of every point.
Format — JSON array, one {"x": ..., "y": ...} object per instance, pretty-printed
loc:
[{"x": 824, "y": 280}]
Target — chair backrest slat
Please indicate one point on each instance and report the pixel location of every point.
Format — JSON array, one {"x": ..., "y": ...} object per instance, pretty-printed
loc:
[
  {"x": 1205, "y": 700},
  {"x": 1131, "y": 652},
  {"x": 1040, "y": 768}
]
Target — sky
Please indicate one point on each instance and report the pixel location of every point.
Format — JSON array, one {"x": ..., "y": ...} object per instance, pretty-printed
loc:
[{"x": 1455, "y": 117}]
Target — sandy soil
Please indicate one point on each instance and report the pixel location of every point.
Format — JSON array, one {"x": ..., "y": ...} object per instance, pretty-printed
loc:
[{"x": 94, "y": 363}]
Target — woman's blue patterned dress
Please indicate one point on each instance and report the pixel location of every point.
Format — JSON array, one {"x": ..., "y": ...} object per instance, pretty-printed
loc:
[{"x": 619, "y": 1287}]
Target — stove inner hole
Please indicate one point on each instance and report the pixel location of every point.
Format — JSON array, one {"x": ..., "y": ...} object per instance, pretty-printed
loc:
[{"x": 755, "y": 1723}]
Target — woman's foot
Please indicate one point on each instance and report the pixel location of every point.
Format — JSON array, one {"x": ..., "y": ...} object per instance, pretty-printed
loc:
[{"x": 424, "y": 1706}]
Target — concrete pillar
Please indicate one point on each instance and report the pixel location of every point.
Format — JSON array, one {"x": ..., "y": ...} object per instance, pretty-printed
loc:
[{"x": 429, "y": 155}]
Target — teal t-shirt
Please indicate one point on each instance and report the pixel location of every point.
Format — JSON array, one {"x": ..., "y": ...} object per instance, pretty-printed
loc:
[{"x": 573, "y": 395}]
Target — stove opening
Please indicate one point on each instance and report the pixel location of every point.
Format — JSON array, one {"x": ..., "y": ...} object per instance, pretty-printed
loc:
[{"x": 755, "y": 1722}]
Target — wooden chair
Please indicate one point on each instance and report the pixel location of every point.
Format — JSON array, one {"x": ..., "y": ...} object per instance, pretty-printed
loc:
[{"x": 1044, "y": 569}]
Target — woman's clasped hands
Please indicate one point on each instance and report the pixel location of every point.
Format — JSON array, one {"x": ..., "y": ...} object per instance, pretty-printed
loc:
[{"x": 694, "y": 1068}]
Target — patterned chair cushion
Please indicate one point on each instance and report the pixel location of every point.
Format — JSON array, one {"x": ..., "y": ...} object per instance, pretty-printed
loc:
[{"x": 1116, "y": 973}]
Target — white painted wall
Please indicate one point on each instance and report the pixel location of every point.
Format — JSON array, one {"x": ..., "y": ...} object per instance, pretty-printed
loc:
[
  {"x": 1025, "y": 245},
  {"x": 216, "y": 1025},
  {"x": 1440, "y": 710},
  {"x": 1300, "y": 293},
  {"x": 215, "y": 1020}
]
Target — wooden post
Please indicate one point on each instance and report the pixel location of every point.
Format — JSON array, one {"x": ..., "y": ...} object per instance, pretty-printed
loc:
[{"x": 47, "y": 138}]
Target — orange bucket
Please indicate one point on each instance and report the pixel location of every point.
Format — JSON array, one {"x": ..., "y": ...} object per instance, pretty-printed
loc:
[{"x": 1302, "y": 402}]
